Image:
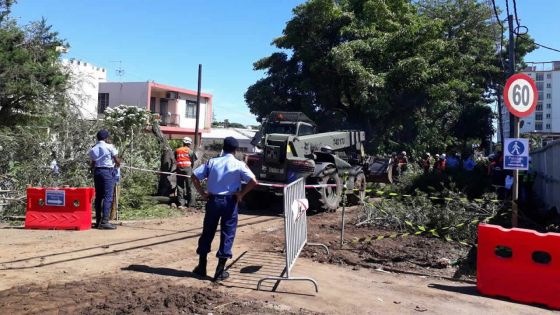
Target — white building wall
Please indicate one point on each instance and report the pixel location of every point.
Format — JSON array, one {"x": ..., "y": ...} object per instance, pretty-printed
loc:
[
  {"x": 129, "y": 93},
  {"x": 84, "y": 84},
  {"x": 191, "y": 122}
]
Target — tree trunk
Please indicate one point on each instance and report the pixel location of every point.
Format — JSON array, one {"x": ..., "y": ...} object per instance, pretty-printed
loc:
[{"x": 165, "y": 184}]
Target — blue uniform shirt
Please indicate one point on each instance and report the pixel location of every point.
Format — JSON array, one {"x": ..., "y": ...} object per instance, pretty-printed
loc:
[
  {"x": 224, "y": 174},
  {"x": 102, "y": 153}
]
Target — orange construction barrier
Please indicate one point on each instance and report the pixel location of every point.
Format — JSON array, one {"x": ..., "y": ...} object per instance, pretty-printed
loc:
[
  {"x": 59, "y": 208},
  {"x": 519, "y": 264}
]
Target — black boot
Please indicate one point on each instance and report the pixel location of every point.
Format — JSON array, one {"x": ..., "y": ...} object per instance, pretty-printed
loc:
[
  {"x": 201, "y": 268},
  {"x": 105, "y": 225},
  {"x": 221, "y": 274}
]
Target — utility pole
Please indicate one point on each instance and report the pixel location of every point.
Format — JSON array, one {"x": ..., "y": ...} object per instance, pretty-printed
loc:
[
  {"x": 196, "y": 142},
  {"x": 513, "y": 125},
  {"x": 511, "y": 70}
]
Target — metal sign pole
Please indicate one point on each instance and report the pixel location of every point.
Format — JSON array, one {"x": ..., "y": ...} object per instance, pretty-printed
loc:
[{"x": 515, "y": 188}]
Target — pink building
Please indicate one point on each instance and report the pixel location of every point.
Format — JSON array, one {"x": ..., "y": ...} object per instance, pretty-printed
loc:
[{"x": 176, "y": 106}]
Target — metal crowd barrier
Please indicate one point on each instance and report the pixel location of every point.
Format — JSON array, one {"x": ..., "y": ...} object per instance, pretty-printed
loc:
[{"x": 295, "y": 223}]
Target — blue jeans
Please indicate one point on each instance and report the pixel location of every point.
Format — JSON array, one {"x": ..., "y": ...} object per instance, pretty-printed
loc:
[
  {"x": 223, "y": 209},
  {"x": 104, "y": 183}
]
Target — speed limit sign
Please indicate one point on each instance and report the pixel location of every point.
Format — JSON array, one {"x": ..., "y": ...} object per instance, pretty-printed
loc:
[{"x": 520, "y": 95}]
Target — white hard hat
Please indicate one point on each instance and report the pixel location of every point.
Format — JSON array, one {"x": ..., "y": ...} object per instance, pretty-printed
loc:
[
  {"x": 187, "y": 140},
  {"x": 443, "y": 155}
]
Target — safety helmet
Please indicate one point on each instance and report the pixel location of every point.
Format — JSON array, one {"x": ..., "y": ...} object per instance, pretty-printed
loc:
[
  {"x": 187, "y": 140},
  {"x": 403, "y": 152}
]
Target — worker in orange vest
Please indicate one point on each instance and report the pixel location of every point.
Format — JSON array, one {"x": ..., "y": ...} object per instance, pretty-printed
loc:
[{"x": 185, "y": 158}]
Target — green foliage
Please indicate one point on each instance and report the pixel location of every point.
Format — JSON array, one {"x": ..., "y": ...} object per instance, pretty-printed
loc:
[
  {"x": 227, "y": 124},
  {"x": 136, "y": 188},
  {"x": 410, "y": 73},
  {"x": 444, "y": 203},
  {"x": 124, "y": 122},
  {"x": 137, "y": 148},
  {"x": 152, "y": 212},
  {"x": 473, "y": 184},
  {"x": 31, "y": 79},
  {"x": 453, "y": 219}
]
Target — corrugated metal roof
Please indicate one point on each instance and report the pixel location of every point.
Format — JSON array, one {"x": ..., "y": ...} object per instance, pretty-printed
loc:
[{"x": 237, "y": 133}]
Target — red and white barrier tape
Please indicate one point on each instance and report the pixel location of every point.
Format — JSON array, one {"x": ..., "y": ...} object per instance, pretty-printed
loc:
[
  {"x": 306, "y": 186},
  {"x": 260, "y": 184},
  {"x": 152, "y": 171}
]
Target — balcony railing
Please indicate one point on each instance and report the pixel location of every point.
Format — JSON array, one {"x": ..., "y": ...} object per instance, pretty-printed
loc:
[{"x": 172, "y": 120}]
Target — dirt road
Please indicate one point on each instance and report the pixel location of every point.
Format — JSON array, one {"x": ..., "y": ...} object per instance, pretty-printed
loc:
[{"x": 162, "y": 252}]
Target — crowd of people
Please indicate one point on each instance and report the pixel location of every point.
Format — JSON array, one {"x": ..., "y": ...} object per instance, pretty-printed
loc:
[
  {"x": 492, "y": 166},
  {"x": 438, "y": 163}
]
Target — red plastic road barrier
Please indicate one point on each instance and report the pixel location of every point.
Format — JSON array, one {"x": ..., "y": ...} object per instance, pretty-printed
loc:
[
  {"x": 519, "y": 264},
  {"x": 59, "y": 208}
]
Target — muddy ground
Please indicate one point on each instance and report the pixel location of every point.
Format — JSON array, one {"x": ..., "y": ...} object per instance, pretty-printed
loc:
[
  {"x": 130, "y": 296},
  {"x": 146, "y": 266},
  {"x": 413, "y": 254}
]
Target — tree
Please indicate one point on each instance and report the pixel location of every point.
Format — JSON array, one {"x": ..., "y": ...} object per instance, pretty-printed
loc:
[
  {"x": 404, "y": 71},
  {"x": 31, "y": 79}
]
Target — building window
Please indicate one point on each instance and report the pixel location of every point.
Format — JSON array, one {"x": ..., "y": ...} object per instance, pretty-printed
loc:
[
  {"x": 547, "y": 126},
  {"x": 548, "y": 105},
  {"x": 548, "y": 95},
  {"x": 152, "y": 104},
  {"x": 102, "y": 102},
  {"x": 540, "y": 86},
  {"x": 548, "y": 85},
  {"x": 540, "y": 76},
  {"x": 539, "y": 106},
  {"x": 538, "y": 126},
  {"x": 191, "y": 109},
  {"x": 541, "y": 95},
  {"x": 549, "y": 75},
  {"x": 538, "y": 116},
  {"x": 547, "y": 115}
]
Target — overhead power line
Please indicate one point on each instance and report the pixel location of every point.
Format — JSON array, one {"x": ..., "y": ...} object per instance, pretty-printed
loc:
[{"x": 546, "y": 47}]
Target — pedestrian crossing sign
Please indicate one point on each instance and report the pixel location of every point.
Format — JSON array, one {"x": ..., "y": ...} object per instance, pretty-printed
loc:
[{"x": 516, "y": 154}]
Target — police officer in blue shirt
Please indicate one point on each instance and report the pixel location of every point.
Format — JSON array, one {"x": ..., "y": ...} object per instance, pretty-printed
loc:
[
  {"x": 103, "y": 161},
  {"x": 224, "y": 176}
]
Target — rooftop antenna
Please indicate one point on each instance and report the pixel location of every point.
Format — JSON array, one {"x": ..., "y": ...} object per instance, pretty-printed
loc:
[{"x": 119, "y": 71}]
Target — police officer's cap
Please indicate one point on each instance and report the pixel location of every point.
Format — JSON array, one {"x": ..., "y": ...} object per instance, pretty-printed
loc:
[
  {"x": 102, "y": 134},
  {"x": 230, "y": 144}
]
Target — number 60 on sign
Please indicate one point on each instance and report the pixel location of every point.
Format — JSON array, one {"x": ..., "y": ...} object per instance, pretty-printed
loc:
[{"x": 520, "y": 95}]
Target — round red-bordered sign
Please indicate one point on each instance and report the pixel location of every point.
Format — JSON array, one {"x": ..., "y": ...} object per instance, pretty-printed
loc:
[{"x": 520, "y": 95}]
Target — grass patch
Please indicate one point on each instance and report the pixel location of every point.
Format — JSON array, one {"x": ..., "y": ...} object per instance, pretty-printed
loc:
[{"x": 152, "y": 212}]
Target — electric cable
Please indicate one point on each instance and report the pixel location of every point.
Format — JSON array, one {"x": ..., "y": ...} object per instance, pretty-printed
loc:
[{"x": 501, "y": 33}]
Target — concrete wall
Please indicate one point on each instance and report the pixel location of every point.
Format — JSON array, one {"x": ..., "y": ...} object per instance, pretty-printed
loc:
[
  {"x": 84, "y": 85},
  {"x": 555, "y": 112},
  {"x": 546, "y": 163},
  {"x": 129, "y": 93}
]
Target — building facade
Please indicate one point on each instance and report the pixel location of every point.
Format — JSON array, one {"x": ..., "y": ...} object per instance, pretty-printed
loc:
[
  {"x": 175, "y": 106},
  {"x": 84, "y": 85},
  {"x": 546, "y": 118}
]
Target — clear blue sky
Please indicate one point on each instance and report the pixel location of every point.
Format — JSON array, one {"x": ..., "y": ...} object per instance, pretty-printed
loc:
[{"x": 165, "y": 40}]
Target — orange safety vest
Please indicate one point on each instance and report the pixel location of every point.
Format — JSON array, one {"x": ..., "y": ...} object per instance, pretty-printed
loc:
[{"x": 183, "y": 155}]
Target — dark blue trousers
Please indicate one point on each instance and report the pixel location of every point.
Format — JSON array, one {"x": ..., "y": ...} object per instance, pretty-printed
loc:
[
  {"x": 223, "y": 209},
  {"x": 104, "y": 183}
]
